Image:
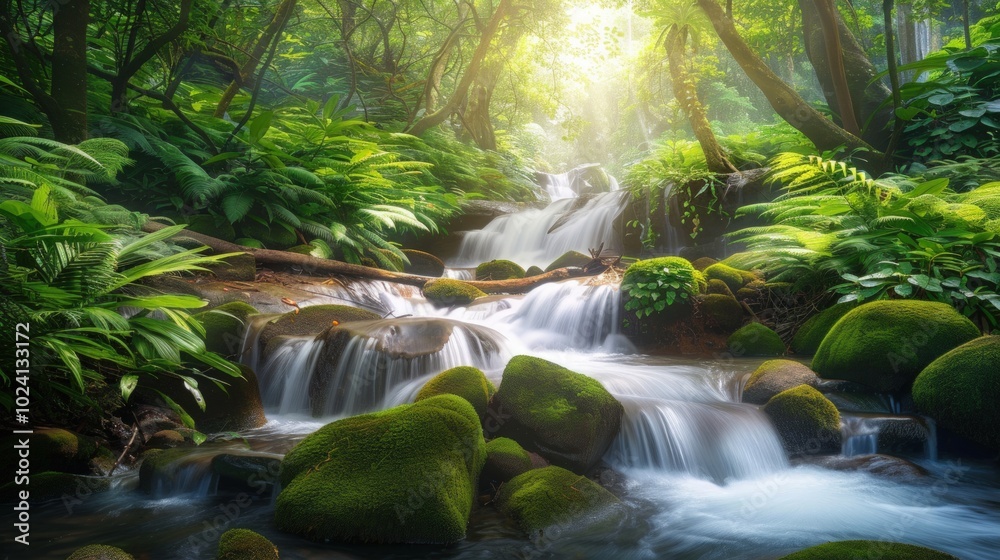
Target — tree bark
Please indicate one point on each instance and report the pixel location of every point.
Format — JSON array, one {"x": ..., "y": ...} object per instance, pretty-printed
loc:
[
  {"x": 867, "y": 91},
  {"x": 687, "y": 97},
  {"x": 461, "y": 92},
  {"x": 893, "y": 69},
  {"x": 69, "y": 71},
  {"x": 278, "y": 22},
  {"x": 314, "y": 265},
  {"x": 829, "y": 21},
  {"x": 786, "y": 101}
]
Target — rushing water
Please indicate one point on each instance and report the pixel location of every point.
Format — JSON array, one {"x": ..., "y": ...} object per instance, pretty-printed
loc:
[{"x": 705, "y": 476}]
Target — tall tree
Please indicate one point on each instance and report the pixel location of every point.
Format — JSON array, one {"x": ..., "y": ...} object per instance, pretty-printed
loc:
[{"x": 789, "y": 105}]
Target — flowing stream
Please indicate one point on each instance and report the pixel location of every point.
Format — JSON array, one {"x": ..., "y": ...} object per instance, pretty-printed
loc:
[{"x": 705, "y": 476}]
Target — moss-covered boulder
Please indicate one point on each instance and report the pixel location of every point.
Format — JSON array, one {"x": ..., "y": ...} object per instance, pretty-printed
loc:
[
  {"x": 721, "y": 313},
  {"x": 809, "y": 336},
  {"x": 847, "y": 550},
  {"x": 651, "y": 283},
  {"x": 424, "y": 264},
  {"x": 166, "y": 439},
  {"x": 775, "y": 376},
  {"x": 716, "y": 286},
  {"x": 464, "y": 381},
  {"x": 244, "y": 544},
  {"x": 403, "y": 475},
  {"x": 445, "y": 292},
  {"x": 701, "y": 263},
  {"x": 541, "y": 498},
  {"x": 961, "y": 391},
  {"x": 533, "y": 271},
  {"x": 224, "y": 327},
  {"x": 499, "y": 270},
  {"x": 505, "y": 459},
  {"x": 312, "y": 320},
  {"x": 243, "y": 472},
  {"x": 569, "y": 259},
  {"x": 885, "y": 344},
  {"x": 733, "y": 277},
  {"x": 806, "y": 421},
  {"x": 99, "y": 552},
  {"x": 566, "y": 417},
  {"x": 755, "y": 339},
  {"x": 56, "y": 449}
]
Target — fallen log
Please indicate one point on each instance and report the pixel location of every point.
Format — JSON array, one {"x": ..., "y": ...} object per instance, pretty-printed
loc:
[{"x": 316, "y": 266}]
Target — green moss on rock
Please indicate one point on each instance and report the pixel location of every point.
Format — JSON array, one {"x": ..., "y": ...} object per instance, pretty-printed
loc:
[
  {"x": 775, "y": 376},
  {"x": 961, "y": 391},
  {"x": 885, "y": 344},
  {"x": 716, "y": 286},
  {"x": 568, "y": 259},
  {"x": 848, "y": 550},
  {"x": 566, "y": 417},
  {"x": 466, "y": 382},
  {"x": 505, "y": 459},
  {"x": 721, "y": 313},
  {"x": 659, "y": 276},
  {"x": 701, "y": 263},
  {"x": 807, "y": 422},
  {"x": 224, "y": 326},
  {"x": 403, "y": 475},
  {"x": 49, "y": 485},
  {"x": 99, "y": 552},
  {"x": 424, "y": 264},
  {"x": 809, "y": 336},
  {"x": 445, "y": 292},
  {"x": 499, "y": 270},
  {"x": 733, "y": 277},
  {"x": 541, "y": 498},
  {"x": 533, "y": 271},
  {"x": 755, "y": 339},
  {"x": 244, "y": 544}
]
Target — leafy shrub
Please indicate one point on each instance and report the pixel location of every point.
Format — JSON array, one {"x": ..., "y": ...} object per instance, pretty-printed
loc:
[{"x": 655, "y": 284}]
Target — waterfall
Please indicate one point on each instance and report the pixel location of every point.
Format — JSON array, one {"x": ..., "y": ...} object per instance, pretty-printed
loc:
[
  {"x": 538, "y": 237},
  {"x": 559, "y": 187},
  {"x": 716, "y": 441},
  {"x": 359, "y": 366},
  {"x": 859, "y": 437}
]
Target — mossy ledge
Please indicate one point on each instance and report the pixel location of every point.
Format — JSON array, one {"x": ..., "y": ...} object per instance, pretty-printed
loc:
[{"x": 445, "y": 292}]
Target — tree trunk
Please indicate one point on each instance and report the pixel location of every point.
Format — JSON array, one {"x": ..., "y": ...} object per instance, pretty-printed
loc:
[
  {"x": 829, "y": 22},
  {"x": 890, "y": 53},
  {"x": 278, "y": 22},
  {"x": 687, "y": 96},
  {"x": 69, "y": 71},
  {"x": 966, "y": 25},
  {"x": 318, "y": 266},
  {"x": 867, "y": 91},
  {"x": 786, "y": 101},
  {"x": 461, "y": 92},
  {"x": 906, "y": 37}
]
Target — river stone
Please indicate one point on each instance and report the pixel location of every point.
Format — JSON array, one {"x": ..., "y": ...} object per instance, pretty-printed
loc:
[
  {"x": 423, "y": 264},
  {"x": 846, "y": 550},
  {"x": 312, "y": 320},
  {"x": 59, "y": 450},
  {"x": 447, "y": 292},
  {"x": 244, "y": 544},
  {"x": 505, "y": 459},
  {"x": 806, "y": 421},
  {"x": 775, "y": 376},
  {"x": 569, "y": 259},
  {"x": 403, "y": 475},
  {"x": 755, "y": 339},
  {"x": 99, "y": 552},
  {"x": 809, "y": 336},
  {"x": 241, "y": 472},
  {"x": 540, "y": 498},
  {"x": 165, "y": 439},
  {"x": 882, "y": 466},
  {"x": 568, "y": 418},
  {"x": 721, "y": 313},
  {"x": 885, "y": 344}
]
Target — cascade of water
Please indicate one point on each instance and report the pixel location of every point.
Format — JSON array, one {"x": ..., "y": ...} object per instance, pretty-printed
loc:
[
  {"x": 559, "y": 186},
  {"x": 860, "y": 437},
  {"x": 533, "y": 237},
  {"x": 565, "y": 315},
  {"x": 717, "y": 441},
  {"x": 284, "y": 378},
  {"x": 190, "y": 474}
]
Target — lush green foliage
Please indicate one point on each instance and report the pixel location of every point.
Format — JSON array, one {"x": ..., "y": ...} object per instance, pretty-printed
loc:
[
  {"x": 835, "y": 228},
  {"x": 655, "y": 284}
]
